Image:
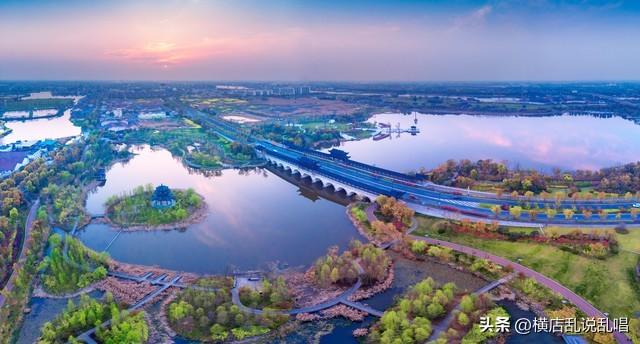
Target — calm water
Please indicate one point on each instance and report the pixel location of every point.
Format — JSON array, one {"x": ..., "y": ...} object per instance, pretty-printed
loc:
[
  {"x": 253, "y": 218},
  {"x": 566, "y": 142},
  {"x": 39, "y": 129},
  {"x": 43, "y": 310}
]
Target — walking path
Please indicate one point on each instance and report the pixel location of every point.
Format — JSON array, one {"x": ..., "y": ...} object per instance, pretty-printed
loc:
[
  {"x": 446, "y": 322},
  {"x": 572, "y": 297},
  {"x": 342, "y": 298},
  {"x": 86, "y": 336},
  {"x": 371, "y": 217},
  {"x": 112, "y": 241},
  {"x": 28, "y": 225}
]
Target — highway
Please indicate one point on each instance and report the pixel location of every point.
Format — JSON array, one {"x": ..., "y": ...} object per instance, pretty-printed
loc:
[{"x": 448, "y": 202}]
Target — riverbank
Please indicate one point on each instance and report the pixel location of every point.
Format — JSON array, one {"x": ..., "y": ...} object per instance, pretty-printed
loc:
[{"x": 360, "y": 224}]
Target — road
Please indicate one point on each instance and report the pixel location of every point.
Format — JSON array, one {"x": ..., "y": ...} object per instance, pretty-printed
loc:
[
  {"x": 446, "y": 202},
  {"x": 572, "y": 297},
  {"x": 28, "y": 225},
  {"x": 432, "y": 199}
]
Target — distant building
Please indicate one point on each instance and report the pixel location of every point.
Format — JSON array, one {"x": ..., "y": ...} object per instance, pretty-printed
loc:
[
  {"x": 152, "y": 115},
  {"x": 162, "y": 197}
]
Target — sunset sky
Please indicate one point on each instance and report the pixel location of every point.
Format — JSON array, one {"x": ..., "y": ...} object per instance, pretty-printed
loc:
[{"x": 320, "y": 40}]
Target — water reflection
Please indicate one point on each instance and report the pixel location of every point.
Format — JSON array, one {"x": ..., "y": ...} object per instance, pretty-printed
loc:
[
  {"x": 566, "y": 142},
  {"x": 254, "y": 217},
  {"x": 39, "y": 129}
]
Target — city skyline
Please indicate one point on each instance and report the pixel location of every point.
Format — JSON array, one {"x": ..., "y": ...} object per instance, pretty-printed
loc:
[{"x": 317, "y": 41}]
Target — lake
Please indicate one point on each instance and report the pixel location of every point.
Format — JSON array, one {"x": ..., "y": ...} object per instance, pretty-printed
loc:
[
  {"x": 40, "y": 129},
  {"x": 566, "y": 142},
  {"x": 254, "y": 218}
]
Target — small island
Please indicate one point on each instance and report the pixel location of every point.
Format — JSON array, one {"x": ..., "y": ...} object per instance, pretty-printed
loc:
[{"x": 146, "y": 208}]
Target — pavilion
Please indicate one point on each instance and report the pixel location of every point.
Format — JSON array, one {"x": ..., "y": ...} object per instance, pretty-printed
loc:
[{"x": 162, "y": 197}]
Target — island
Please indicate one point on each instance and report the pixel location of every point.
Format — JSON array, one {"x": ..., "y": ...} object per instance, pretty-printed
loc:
[{"x": 146, "y": 208}]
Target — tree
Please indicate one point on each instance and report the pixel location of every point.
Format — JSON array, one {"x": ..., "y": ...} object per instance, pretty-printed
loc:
[
  {"x": 528, "y": 194},
  {"x": 551, "y": 213},
  {"x": 496, "y": 210},
  {"x": 515, "y": 212},
  {"x": 218, "y": 332},
  {"x": 603, "y": 214},
  {"x": 559, "y": 196},
  {"x": 418, "y": 246},
  {"x": 435, "y": 310},
  {"x": 13, "y": 216},
  {"x": 467, "y": 304},
  {"x": 568, "y": 213},
  {"x": 463, "y": 319},
  {"x": 335, "y": 275},
  {"x": 533, "y": 214}
]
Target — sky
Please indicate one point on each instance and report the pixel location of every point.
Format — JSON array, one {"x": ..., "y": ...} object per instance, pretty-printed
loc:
[{"x": 329, "y": 40}]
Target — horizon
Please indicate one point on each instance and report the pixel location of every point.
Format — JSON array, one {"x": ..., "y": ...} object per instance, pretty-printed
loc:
[
  {"x": 293, "y": 41},
  {"x": 364, "y": 82}
]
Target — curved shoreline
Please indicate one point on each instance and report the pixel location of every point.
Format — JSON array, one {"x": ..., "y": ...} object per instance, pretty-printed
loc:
[{"x": 195, "y": 217}]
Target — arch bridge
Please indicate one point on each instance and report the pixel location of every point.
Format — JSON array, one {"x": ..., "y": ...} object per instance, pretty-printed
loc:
[{"x": 318, "y": 177}]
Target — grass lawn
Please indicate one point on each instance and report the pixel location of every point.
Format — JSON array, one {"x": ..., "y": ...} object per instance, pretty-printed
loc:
[
  {"x": 621, "y": 296},
  {"x": 629, "y": 242}
]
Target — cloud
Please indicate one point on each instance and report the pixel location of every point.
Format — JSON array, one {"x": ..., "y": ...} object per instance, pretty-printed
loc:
[
  {"x": 165, "y": 53},
  {"x": 475, "y": 18}
]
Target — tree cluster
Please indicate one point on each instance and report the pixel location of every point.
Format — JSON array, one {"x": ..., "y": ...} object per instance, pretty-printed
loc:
[
  {"x": 342, "y": 269},
  {"x": 135, "y": 208},
  {"x": 271, "y": 294},
  {"x": 124, "y": 327},
  {"x": 78, "y": 269},
  {"x": 397, "y": 211},
  {"x": 410, "y": 319},
  {"x": 203, "y": 313}
]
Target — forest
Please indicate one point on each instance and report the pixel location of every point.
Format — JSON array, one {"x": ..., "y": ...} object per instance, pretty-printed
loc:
[
  {"x": 342, "y": 269},
  {"x": 124, "y": 327},
  {"x": 78, "y": 268},
  {"x": 411, "y": 317},
  {"x": 272, "y": 294},
  {"x": 205, "y": 312}
]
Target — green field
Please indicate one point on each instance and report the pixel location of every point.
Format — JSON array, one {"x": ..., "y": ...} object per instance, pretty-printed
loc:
[{"x": 609, "y": 284}]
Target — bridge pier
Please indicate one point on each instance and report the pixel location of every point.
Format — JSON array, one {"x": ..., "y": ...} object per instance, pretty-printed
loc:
[{"x": 317, "y": 178}]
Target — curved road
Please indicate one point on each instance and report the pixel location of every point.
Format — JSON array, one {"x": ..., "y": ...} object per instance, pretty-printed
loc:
[
  {"x": 574, "y": 298},
  {"x": 28, "y": 224}
]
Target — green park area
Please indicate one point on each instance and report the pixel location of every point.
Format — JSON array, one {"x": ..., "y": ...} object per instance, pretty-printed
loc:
[
  {"x": 187, "y": 315},
  {"x": 198, "y": 147},
  {"x": 124, "y": 327},
  {"x": 596, "y": 279},
  {"x": 137, "y": 209},
  {"x": 35, "y": 104},
  {"x": 71, "y": 266}
]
